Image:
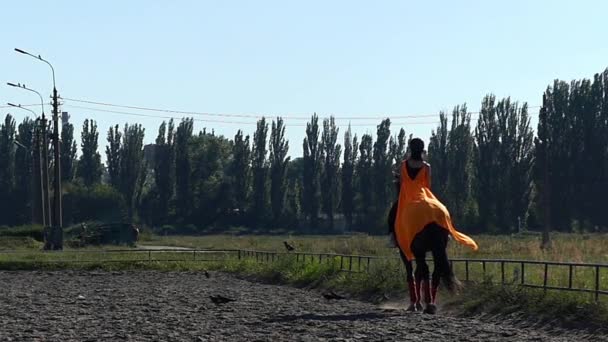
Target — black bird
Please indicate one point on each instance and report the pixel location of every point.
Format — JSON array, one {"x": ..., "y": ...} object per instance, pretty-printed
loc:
[
  {"x": 289, "y": 247},
  {"x": 332, "y": 295},
  {"x": 207, "y": 274},
  {"x": 219, "y": 299}
]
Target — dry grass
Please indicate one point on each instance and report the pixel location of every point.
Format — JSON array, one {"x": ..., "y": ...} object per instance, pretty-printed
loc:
[{"x": 566, "y": 247}]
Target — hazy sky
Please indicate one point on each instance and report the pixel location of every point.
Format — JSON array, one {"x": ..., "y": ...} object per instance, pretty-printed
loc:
[{"x": 346, "y": 58}]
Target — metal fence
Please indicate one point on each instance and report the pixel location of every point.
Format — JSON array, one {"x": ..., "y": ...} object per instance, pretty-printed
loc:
[{"x": 547, "y": 275}]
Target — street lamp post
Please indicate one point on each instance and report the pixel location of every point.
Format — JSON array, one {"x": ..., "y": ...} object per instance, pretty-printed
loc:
[
  {"x": 57, "y": 223},
  {"x": 38, "y": 203}
]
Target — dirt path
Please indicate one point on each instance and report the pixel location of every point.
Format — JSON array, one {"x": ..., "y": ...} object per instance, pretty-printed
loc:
[{"x": 155, "y": 306}]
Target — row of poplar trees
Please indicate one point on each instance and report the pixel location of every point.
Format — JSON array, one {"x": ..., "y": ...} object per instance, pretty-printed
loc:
[{"x": 490, "y": 169}]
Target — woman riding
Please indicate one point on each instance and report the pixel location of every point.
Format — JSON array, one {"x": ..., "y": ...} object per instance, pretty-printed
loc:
[{"x": 423, "y": 224}]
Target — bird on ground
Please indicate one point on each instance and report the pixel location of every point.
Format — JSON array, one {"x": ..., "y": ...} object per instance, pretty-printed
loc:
[
  {"x": 332, "y": 295},
  {"x": 207, "y": 274},
  {"x": 289, "y": 247},
  {"x": 219, "y": 300}
]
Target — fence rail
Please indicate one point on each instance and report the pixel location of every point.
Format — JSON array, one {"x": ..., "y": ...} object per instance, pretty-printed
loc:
[
  {"x": 591, "y": 277},
  {"x": 547, "y": 275}
]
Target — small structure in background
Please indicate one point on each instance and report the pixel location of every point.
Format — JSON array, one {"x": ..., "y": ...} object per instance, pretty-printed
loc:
[{"x": 103, "y": 234}]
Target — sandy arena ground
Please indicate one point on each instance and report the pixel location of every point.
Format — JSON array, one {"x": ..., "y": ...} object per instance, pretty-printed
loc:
[{"x": 175, "y": 306}]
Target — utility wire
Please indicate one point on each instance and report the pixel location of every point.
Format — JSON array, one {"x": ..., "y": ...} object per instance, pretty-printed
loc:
[
  {"x": 237, "y": 122},
  {"x": 254, "y": 116}
]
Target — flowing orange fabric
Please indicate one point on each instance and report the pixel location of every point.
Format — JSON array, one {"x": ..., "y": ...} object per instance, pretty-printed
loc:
[{"x": 417, "y": 208}]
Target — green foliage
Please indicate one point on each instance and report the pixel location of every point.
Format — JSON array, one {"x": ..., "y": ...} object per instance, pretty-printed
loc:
[
  {"x": 438, "y": 158},
  {"x": 310, "y": 174},
  {"x": 24, "y": 176},
  {"x": 279, "y": 160},
  {"x": 7, "y": 169},
  {"x": 571, "y": 310},
  {"x": 27, "y": 231},
  {"x": 351, "y": 148},
  {"x": 131, "y": 172},
  {"x": 164, "y": 169},
  {"x": 183, "y": 172},
  {"x": 259, "y": 171},
  {"x": 99, "y": 202},
  {"x": 494, "y": 179},
  {"x": 331, "y": 152},
  {"x": 504, "y": 161},
  {"x": 240, "y": 170},
  {"x": 113, "y": 155},
  {"x": 212, "y": 193},
  {"x": 68, "y": 152},
  {"x": 571, "y": 154},
  {"x": 382, "y": 168},
  {"x": 89, "y": 166},
  {"x": 364, "y": 184}
]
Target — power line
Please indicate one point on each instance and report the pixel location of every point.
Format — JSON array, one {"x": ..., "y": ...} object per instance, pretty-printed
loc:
[
  {"x": 156, "y": 116},
  {"x": 238, "y": 122},
  {"x": 255, "y": 116}
]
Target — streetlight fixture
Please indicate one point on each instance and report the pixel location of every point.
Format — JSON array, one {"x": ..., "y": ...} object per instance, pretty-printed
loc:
[
  {"x": 41, "y": 59},
  {"x": 22, "y": 86},
  {"x": 21, "y": 107},
  {"x": 57, "y": 230}
]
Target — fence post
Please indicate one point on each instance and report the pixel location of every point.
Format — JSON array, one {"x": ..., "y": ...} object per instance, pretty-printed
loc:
[
  {"x": 359, "y": 267},
  {"x": 523, "y": 270},
  {"x": 350, "y": 263},
  {"x": 194, "y": 254},
  {"x": 502, "y": 271},
  {"x": 239, "y": 254},
  {"x": 483, "y": 265},
  {"x": 570, "y": 276},
  {"x": 368, "y": 263},
  {"x": 466, "y": 270},
  {"x": 150, "y": 255},
  {"x": 545, "y": 277},
  {"x": 597, "y": 283},
  {"x": 341, "y": 263}
]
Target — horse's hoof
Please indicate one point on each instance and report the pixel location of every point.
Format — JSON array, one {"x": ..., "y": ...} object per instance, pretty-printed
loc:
[
  {"x": 412, "y": 308},
  {"x": 430, "y": 309},
  {"x": 418, "y": 307}
]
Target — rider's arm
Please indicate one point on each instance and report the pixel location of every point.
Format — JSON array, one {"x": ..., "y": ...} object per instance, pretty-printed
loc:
[{"x": 428, "y": 173}]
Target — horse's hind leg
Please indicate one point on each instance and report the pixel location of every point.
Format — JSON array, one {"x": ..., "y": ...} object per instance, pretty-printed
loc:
[
  {"x": 414, "y": 296},
  {"x": 422, "y": 278}
]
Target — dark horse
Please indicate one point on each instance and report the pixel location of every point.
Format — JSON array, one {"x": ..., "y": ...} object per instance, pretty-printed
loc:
[{"x": 434, "y": 239}]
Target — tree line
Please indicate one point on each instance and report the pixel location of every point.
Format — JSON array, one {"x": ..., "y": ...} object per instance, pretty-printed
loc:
[{"x": 494, "y": 173}]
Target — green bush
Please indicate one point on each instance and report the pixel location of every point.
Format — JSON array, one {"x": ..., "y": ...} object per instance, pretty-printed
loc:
[
  {"x": 98, "y": 203},
  {"x": 29, "y": 231}
]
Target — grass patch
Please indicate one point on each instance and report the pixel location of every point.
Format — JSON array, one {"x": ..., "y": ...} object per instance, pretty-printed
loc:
[
  {"x": 568, "y": 310},
  {"x": 28, "y": 231},
  {"x": 566, "y": 247},
  {"x": 19, "y": 243}
]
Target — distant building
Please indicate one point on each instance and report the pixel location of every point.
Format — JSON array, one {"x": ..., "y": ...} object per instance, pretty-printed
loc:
[
  {"x": 65, "y": 118},
  {"x": 149, "y": 152}
]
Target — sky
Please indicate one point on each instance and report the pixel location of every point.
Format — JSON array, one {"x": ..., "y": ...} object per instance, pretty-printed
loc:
[{"x": 350, "y": 59}]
